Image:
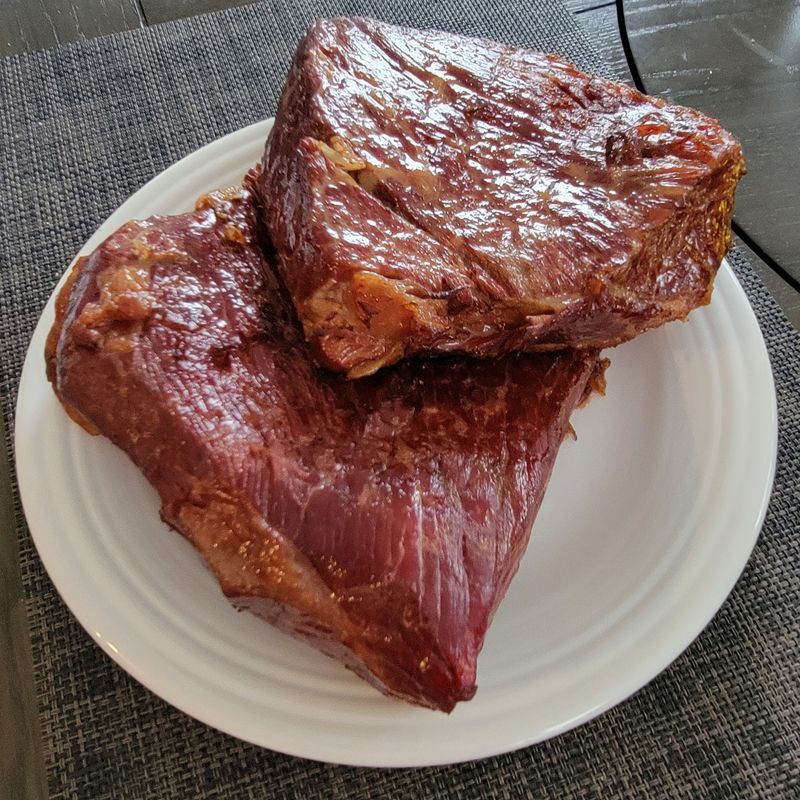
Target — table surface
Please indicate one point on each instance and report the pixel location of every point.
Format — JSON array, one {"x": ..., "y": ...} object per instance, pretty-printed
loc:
[{"x": 738, "y": 60}]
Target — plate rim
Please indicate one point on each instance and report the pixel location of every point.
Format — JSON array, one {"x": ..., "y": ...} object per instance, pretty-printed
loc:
[{"x": 34, "y": 363}]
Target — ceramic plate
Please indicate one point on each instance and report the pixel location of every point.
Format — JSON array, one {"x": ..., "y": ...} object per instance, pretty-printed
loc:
[{"x": 649, "y": 520}]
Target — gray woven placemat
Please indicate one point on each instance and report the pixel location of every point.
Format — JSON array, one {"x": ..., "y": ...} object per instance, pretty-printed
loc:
[{"x": 83, "y": 126}]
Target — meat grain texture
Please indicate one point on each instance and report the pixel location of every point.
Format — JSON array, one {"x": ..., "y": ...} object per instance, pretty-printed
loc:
[
  {"x": 379, "y": 519},
  {"x": 430, "y": 193}
]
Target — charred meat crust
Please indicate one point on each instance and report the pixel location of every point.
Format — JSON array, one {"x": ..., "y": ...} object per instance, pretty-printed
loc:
[{"x": 433, "y": 194}]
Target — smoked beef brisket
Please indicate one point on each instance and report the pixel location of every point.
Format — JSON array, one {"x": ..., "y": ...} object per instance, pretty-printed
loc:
[
  {"x": 380, "y": 519},
  {"x": 430, "y": 193}
]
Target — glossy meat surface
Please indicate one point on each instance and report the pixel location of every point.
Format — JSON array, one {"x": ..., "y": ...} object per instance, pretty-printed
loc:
[
  {"x": 380, "y": 519},
  {"x": 429, "y": 193}
]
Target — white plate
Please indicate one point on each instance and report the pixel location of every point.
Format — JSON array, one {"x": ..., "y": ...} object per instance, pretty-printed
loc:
[{"x": 649, "y": 519}]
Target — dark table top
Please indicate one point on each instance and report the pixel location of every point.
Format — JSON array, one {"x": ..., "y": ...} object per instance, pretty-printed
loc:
[
  {"x": 739, "y": 61},
  {"x": 736, "y": 59}
]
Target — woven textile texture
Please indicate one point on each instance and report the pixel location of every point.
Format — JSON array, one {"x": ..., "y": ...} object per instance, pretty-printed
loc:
[{"x": 83, "y": 126}]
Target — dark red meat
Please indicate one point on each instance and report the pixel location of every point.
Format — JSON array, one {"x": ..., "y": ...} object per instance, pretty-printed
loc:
[
  {"x": 380, "y": 519},
  {"x": 432, "y": 193}
]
